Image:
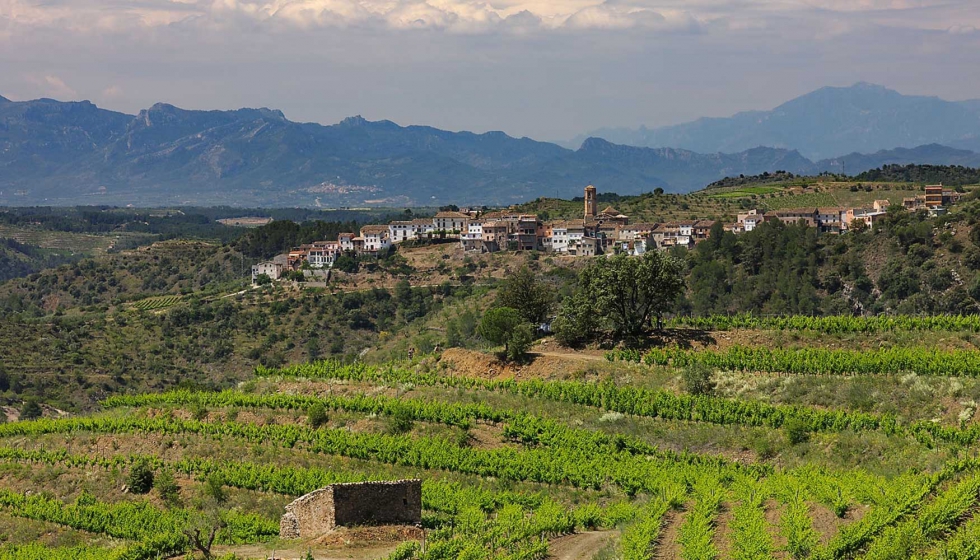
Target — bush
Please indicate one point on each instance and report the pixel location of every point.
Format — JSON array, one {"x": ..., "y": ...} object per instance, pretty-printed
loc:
[
  {"x": 317, "y": 415},
  {"x": 796, "y": 431},
  {"x": 697, "y": 379},
  {"x": 30, "y": 411},
  {"x": 140, "y": 479},
  {"x": 399, "y": 423},
  {"x": 214, "y": 488},
  {"x": 168, "y": 489}
]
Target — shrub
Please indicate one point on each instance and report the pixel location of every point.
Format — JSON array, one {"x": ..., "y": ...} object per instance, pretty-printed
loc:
[
  {"x": 140, "y": 479},
  {"x": 317, "y": 415},
  {"x": 796, "y": 431},
  {"x": 214, "y": 488},
  {"x": 168, "y": 489},
  {"x": 30, "y": 411},
  {"x": 399, "y": 423},
  {"x": 697, "y": 379}
]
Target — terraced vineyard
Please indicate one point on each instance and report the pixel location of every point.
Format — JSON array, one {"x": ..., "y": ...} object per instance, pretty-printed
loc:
[
  {"x": 507, "y": 466},
  {"x": 156, "y": 303}
]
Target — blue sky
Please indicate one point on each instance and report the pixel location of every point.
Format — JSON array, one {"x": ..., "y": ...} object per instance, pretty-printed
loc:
[{"x": 549, "y": 69}]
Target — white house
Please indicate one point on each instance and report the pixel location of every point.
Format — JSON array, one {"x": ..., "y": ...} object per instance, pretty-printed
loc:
[
  {"x": 346, "y": 241},
  {"x": 271, "y": 269},
  {"x": 401, "y": 231},
  {"x": 752, "y": 221},
  {"x": 559, "y": 237},
  {"x": 451, "y": 221},
  {"x": 411, "y": 229},
  {"x": 375, "y": 238},
  {"x": 323, "y": 254}
]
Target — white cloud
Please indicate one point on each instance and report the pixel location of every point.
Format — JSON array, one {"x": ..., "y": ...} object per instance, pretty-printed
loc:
[
  {"x": 52, "y": 86},
  {"x": 112, "y": 92},
  {"x": 470, "y": 16}
]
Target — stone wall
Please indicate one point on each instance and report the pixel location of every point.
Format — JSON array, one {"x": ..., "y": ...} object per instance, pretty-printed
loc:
[
  {"x": 356, "y": 503},
  {"x": 309, "y": 515},
  {"x": 378, "y": 503}
]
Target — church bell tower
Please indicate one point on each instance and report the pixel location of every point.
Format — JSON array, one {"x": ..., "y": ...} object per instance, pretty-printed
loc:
[{"x": 590, "y": 202}]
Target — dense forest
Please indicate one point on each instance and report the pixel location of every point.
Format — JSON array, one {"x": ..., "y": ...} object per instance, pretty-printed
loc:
[{"x": 949, "y": 175}]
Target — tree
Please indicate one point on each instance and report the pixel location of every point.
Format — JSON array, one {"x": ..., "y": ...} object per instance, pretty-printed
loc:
[
  {"x": 30, "y": 411},
  {"x": 523, "y": 292},
  {"x": 497, "y": 324},
  {"x": 346, "y": 263},
  {"x": 577, "y": 321},
  {"x": 520, "y": 342},
  {"x": 202, "y": 529},
  {"x": 214, "y": 488},
  {"x": 504, "y": 325},
  {"x": 140, "y": 479},
  {"x": 263, "y": 280},
  {"x": 630, "y": 292}
]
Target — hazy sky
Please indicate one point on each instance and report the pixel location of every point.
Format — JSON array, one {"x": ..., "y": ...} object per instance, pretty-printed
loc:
[{"x": 549, "y": 69}]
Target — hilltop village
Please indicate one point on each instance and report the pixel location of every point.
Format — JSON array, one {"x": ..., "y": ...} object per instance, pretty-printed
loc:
[{"x": 598, "y": 232}]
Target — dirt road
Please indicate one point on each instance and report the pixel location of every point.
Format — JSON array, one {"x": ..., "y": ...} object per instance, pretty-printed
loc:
[
  {"x": 569, "y": 356},
  {"x": 580, "y": 546}
]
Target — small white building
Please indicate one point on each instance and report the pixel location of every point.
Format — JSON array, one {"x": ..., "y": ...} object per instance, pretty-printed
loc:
[
  {"x": 375, "y": 238},
  {"x": 559, "y": 237},
  {"x": 271, "y": 269},
  {"x": 346, "y": 241},
  {"x": 401, "y": 231},
  {"x": 323, "y": 254}
]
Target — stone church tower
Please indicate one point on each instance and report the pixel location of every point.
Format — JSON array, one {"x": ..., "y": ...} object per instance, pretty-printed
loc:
[{"x": 590, "y": 201}]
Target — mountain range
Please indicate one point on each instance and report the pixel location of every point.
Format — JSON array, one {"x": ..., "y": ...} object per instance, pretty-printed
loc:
[
  {"x": 825, "y": 123},
  {"x": 60, "y": 153}
]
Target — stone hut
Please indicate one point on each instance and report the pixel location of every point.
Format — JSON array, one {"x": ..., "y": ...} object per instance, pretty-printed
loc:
[{"x": 356, "y": 503}]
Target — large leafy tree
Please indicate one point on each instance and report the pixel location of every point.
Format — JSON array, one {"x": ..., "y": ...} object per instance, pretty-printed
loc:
[
  {"x": 529, "y": 296},
  {"x": 628, "y": 293},
  {"x": 504, "y": 325}
]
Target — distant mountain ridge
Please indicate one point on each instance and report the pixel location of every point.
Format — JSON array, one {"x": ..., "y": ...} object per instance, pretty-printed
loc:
[
  {"x": 60, "y": 153},
  {"x": 825, "y": 123}
]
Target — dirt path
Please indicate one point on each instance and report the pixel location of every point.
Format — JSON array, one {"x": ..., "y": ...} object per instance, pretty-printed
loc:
[
  {"x": 262, "y": 552},
  {"x": 569, "y": 356},
  {"x": 668, "y": 544},
  {"x": 580, "y": 546}
]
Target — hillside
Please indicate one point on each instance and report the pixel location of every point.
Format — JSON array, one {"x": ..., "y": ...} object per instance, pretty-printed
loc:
[
  {"x": 725, "y": 199},
  {"x": 812, "y": 396},
  {"x": 823, "y": 124},
  {"x": 54, "y": 153}
]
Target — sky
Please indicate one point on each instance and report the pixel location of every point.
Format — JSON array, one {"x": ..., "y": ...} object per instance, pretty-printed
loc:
[{"x": 547, "y": 69}]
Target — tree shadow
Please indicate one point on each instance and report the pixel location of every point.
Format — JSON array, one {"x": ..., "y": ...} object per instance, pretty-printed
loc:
[{"x": 677, "y": 337}]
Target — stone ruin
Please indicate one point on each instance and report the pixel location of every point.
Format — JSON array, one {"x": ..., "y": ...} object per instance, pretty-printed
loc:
[{"x": 350, "y": 504}]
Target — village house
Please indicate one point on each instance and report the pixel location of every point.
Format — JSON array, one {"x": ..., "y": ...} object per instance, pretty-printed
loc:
[
  {"x": 451, "y": 222},
  {"x": 322, "y": 254},
  {"x": 411, "y": 229},
  {"x": 271, "y": 269},
  {"x": 935, "y": 197},
  {"x": 375, "y": 239}
]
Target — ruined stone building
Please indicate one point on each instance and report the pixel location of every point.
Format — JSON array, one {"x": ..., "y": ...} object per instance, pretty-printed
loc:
[{"x": 357, "y": 503}]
